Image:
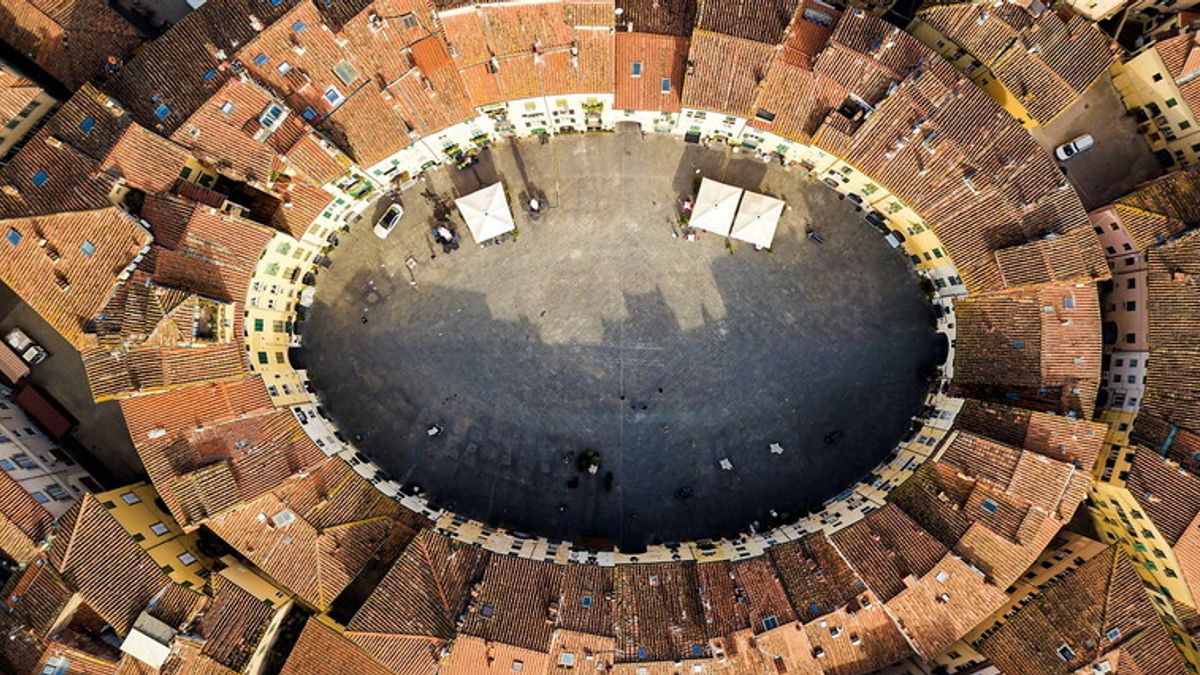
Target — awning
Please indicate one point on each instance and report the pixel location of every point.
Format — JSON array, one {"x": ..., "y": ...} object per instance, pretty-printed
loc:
[
  {"x": 716, "y": 204},
  {"x": 486, "y": 213},
  {"x": 757, "y": 218}
]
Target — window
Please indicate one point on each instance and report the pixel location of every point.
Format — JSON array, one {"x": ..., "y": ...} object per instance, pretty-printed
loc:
[
  {"x": 666, "y": 85},
  {"x": 765, "y": 115},
  {"x": 7, "y": 465},
  {"x": 409, "y": 20},
  {"x": 586, "y": 601},
  {"x": 130, "y": 498},
  {"x": 989, "y": 506},
  {"x": 284, "y": 67},
  {"x": 345, "y": 72},
  {"x": 333, "y": 95},
  {"x": 1065, "y": 653},
  {"x": 24, "y": 461},
  {"x": 159, "y": 529},
  {"x": 88, "y": 248},
  {"x": 1171, "y": 103},
  {"x": 87, "y": 124},
  {"x": 263, "y": 359},
  {"x": 57, "y": 493},
  {"x": 1131, "y": 283},
  {"x": 518, "y": 666},
  {"x": 13, "y": 237},
  {"x": 770, "y": 622},
  {"x": 40, "y": 178},
  {"x": 227, "y": 107},
  {"x": 636, "y": 69},
  {"x": 41, "y": 498},
  {"x": 261, "y": 59},
  {"x": 1157, "y": 77},
  {"x": 186, "y": 558},
  {"x": 258, "y": 325},
  {"x": 309, "y": 114},
  {"x": 566, "y": 660},
  {"x": 162, "y": 111},
  {"x": 1185, "y": 125},
  {"x": 1018, "y": 344},
  {"x": 299, "y": 27},
  {"x": 210, "y": 75},
  {"x": 1130, "y": 338}
]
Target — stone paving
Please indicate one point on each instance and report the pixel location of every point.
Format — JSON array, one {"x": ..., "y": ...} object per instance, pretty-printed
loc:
[{"x": 599, "y": 329}]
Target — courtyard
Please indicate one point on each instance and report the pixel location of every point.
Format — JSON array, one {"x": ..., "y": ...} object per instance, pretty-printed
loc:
[{"x": 601, "y": 331}]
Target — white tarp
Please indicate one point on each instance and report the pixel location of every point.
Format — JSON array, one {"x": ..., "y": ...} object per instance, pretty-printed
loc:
[
  {"x": 486, "y": 212},
  {"x": 716, "y": 204},
  {"x": 757, "y": 219}
]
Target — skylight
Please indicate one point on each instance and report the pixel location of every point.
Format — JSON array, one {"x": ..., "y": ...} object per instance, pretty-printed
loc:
[
  {"x": 87, "y": 124},
  {"x": 666, "y": 85},
  {"x": 13, "y": 237},
  {"x": 162, "y": 111},
  {"x": 88, "y": 248},
  {"x": 261, "y": 59},
  {"x": 636, "y": 69},
  {"x": 40, "y": 178}
]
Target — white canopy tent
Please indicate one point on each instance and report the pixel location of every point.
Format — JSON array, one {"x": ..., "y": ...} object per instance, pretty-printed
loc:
[
  {"x": 486, "y": 212},
  {"x": 757, "y": 218},
  {"x": 716, "y": 204}
]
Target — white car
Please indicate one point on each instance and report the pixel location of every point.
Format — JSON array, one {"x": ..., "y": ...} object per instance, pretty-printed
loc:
[
  {"x": 388, "y": 221},
  {"x": 30, "y": 351},
  {"x": 1074, "y": 147}
]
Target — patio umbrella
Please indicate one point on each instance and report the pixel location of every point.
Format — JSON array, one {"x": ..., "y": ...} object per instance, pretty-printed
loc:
[
  {"x": 486, "y": 212},
  {"x": 716, "y": 204},
  {"x": 757, "y": 218}
]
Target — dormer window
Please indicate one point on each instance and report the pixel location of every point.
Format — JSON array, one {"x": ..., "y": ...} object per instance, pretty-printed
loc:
[
  {"x": 333, "y": 96},
  {"x": 636, "y": 69}
]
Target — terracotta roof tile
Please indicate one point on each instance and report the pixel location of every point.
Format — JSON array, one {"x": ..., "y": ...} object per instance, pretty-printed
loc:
[
  {"x": 660, "y": 17},
  {"x": 67, "y": 280},
  {"x": 233, "y": 624},
  {"x": 1081, "y": 611},
  {"x": 115, "y": 576},
  {"x": 1047, "y": 61},
  {"x": 1173, "y": 376},
  {"x": 1075, "y": 257},
  {"x": 662, "y": 58},
  {"x": 815, "y": 576},
  {"x": 321, "y": 649},
  {"x": 760, "y": 20},
  {"x": 414, "y": 608},
  {"x": 887, "y": 548},
  {"x": 470, "y": 655},
  {"x": 173, "y": 76},
  {"x": 943, "y": 605},
  {"x": 725, "y": 73},
  {"x": 523, "y": 597},
  {"x": 73, "y": 40},
  {"x": 24, "y": 523},
  {"x": 1041, "y": 343},
  {"x": 724, "y": 601},
  {"x": 587, "y": 594},
  {"x": 657, "y": 612}
]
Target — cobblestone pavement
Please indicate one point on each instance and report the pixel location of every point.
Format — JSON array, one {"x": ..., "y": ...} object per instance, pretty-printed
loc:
[{"x": 598, "y": 329}]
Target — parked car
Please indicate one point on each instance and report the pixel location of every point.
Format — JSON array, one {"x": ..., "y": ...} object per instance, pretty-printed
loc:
[
  {"x": 30, "y": 351},
  {"x": 388, "y": 221},
  {"x": 1074, "y": 147}
]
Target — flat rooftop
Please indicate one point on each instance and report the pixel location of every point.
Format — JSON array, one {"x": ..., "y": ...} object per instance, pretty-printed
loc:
[{"x": 598, "y": 329}]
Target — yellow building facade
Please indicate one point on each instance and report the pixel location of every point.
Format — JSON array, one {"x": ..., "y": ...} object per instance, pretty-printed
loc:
[{"x": 1164, "y": 118}]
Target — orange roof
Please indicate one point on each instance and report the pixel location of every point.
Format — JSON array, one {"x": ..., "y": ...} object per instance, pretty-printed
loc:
[
  {"x": 658, "y": 59},
  {"x": 67, "y": 279}
]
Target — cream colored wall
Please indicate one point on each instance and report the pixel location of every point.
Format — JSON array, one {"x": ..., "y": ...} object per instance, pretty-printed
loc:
[
  {"x": 15, "y": 129},
  {"x": 1135, "y": 81},
  {"x": 140, "y": 520}
]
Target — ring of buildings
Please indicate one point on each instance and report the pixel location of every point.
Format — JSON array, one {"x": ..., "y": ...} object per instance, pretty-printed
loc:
[{"x": 907, "y": 564}]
